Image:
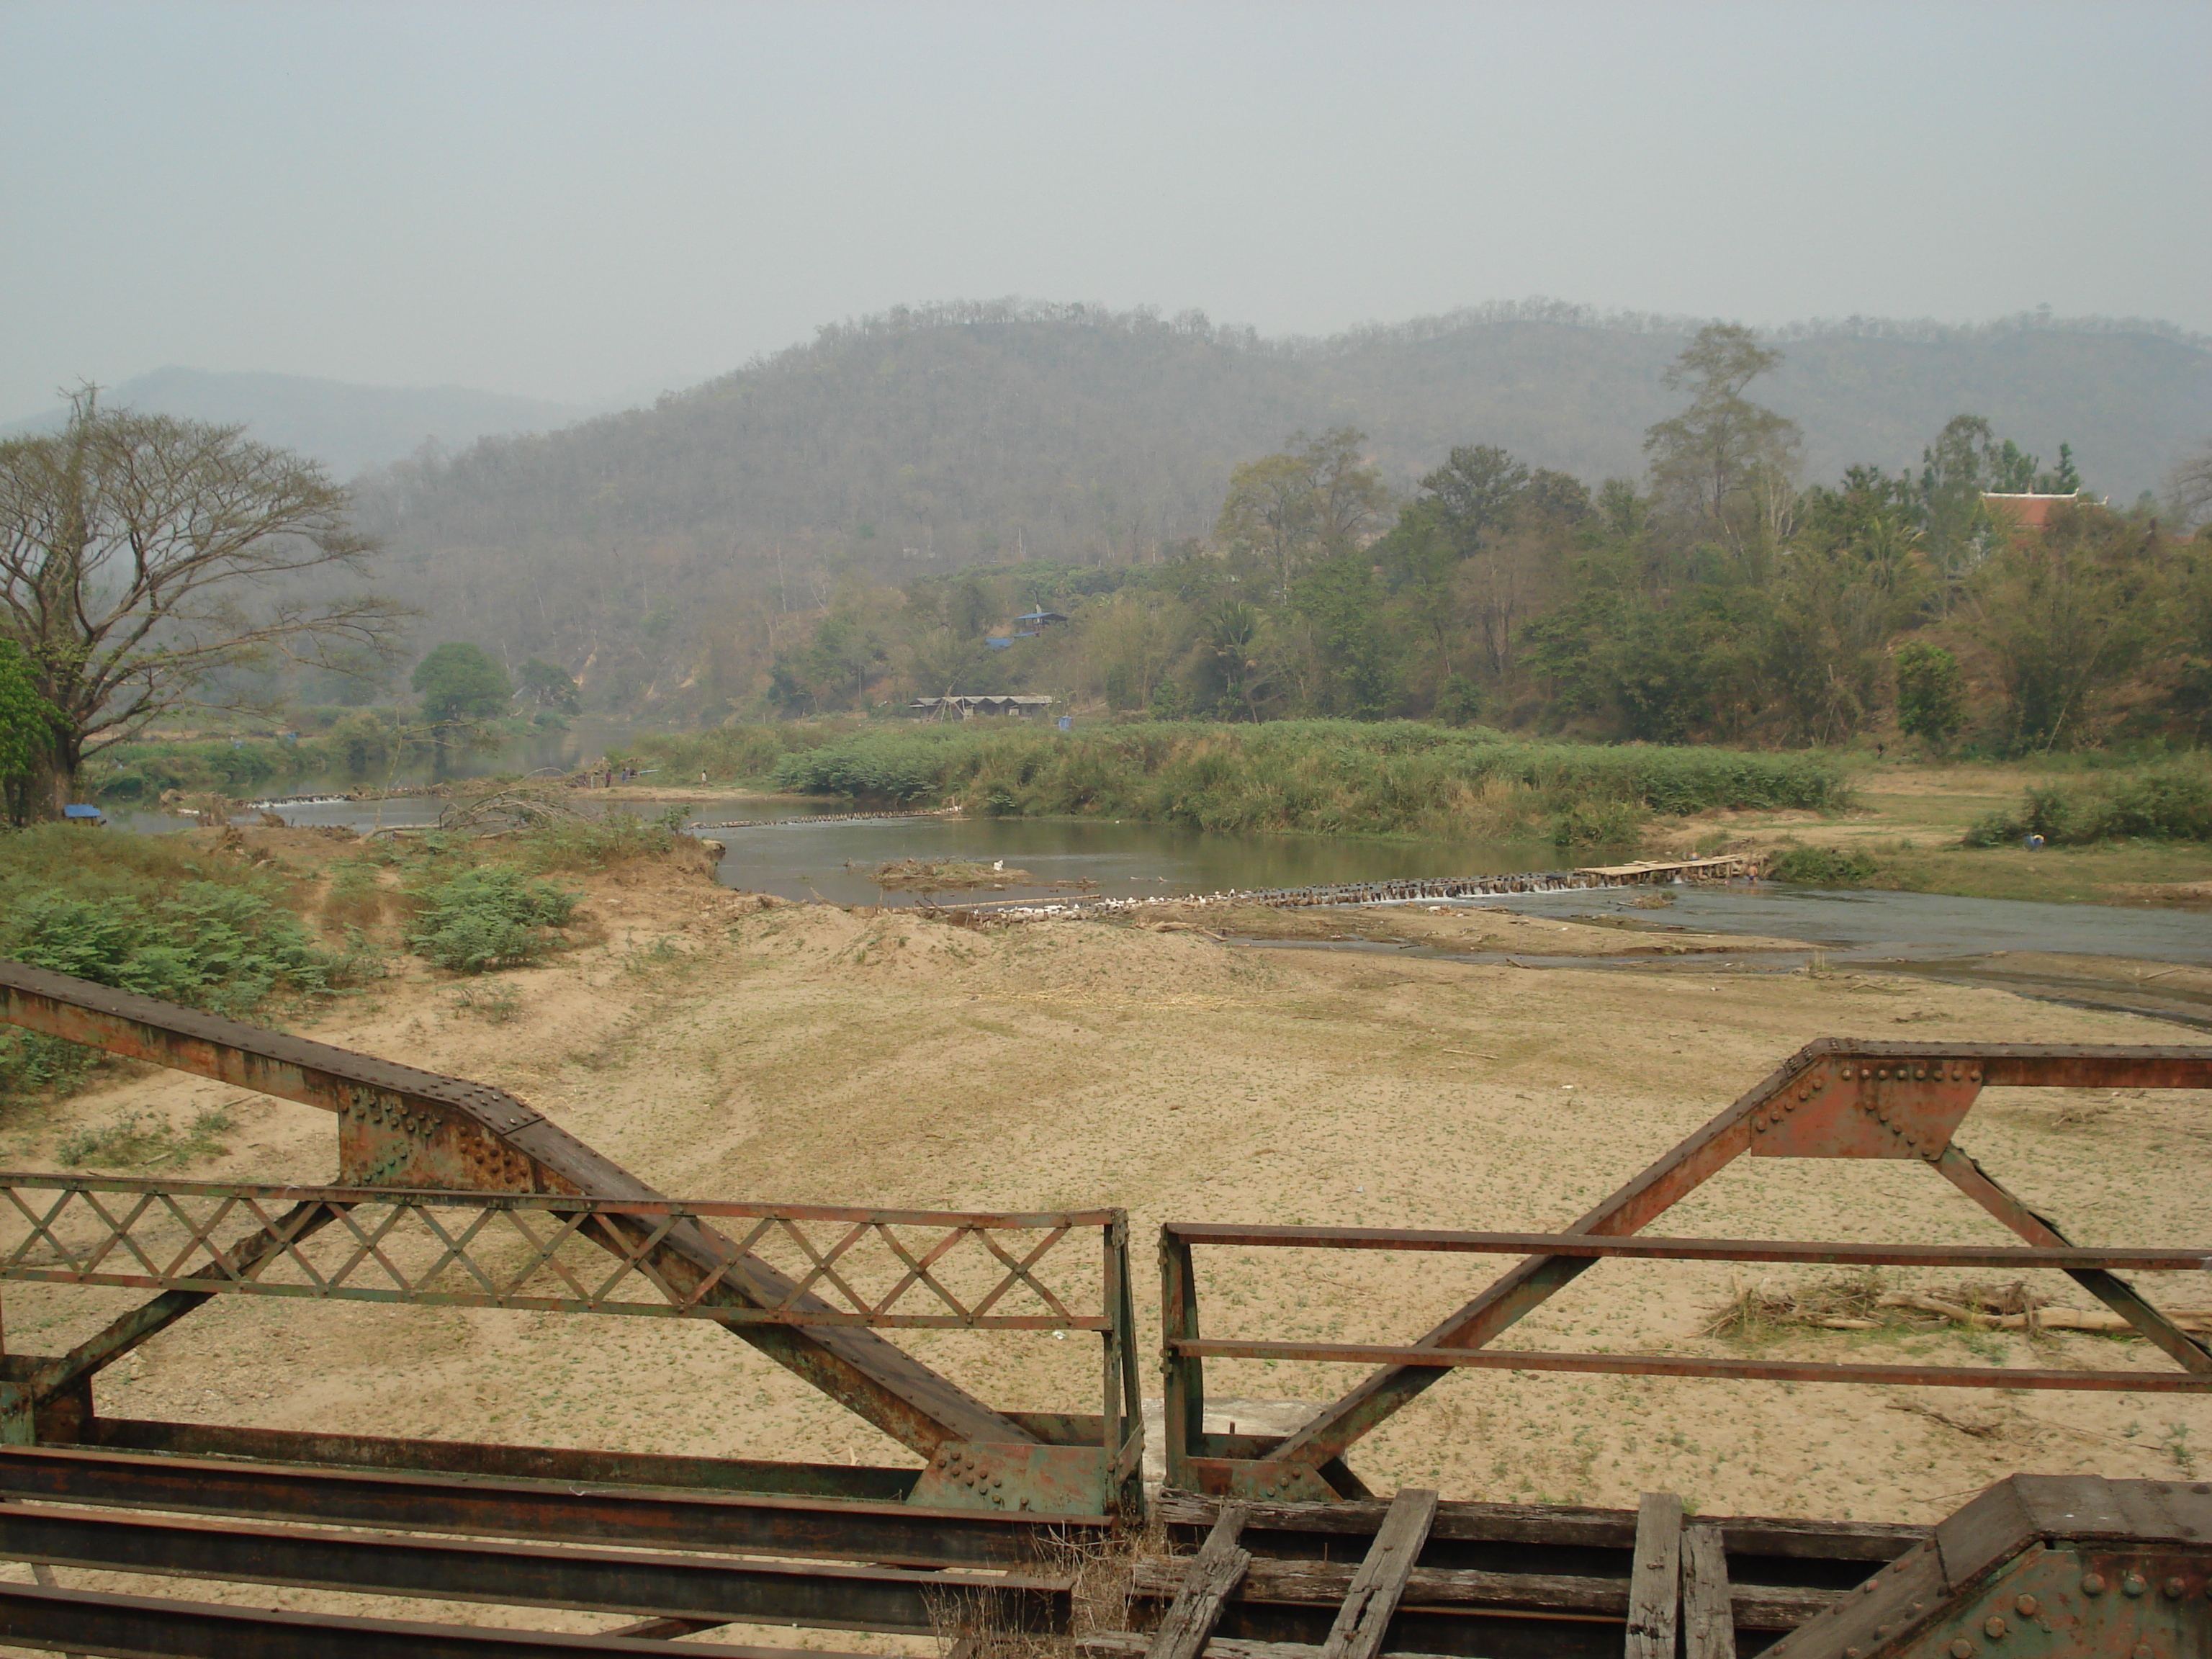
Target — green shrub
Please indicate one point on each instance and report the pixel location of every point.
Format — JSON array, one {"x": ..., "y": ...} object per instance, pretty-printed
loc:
[
  {"x": 2169, "y": 803},
  {"x": 208, "y": 945},
  {"x": 1823, "y": 866},
  {"x": 475, "y": 920},
  {"x": 150, "y": 913}
]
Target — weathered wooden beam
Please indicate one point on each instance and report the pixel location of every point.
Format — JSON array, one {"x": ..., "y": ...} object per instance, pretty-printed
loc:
[
  {"x": 1708, "y": 1614},
  {"x": 1214, "y": 1574},
  {"x": 1364, "y": 1618},
  {"x": 1542, "y": 1523},
  {"x": 1324, "y": 1584},
  {"x": 1654, "y": 1587}
]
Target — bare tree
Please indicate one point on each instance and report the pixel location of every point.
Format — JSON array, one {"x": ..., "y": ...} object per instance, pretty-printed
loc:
[
  {"x": 142, "y": 558},
  {"x": 2189, "y": 488}
]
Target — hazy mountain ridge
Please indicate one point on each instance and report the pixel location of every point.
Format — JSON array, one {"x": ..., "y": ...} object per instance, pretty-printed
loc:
[
  {"x": 349, "y": 428},
  {"x": 922, "y": 441}
]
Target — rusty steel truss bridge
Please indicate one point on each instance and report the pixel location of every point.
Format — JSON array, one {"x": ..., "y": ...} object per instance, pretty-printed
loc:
[{"x": 452, "y": 1194}]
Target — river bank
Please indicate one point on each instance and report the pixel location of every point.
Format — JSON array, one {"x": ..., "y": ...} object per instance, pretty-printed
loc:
[{"x": 1906, "y": 827}]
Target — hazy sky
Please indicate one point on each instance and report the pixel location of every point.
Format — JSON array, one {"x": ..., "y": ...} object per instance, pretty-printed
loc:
[{"x": 579, "y": 201}]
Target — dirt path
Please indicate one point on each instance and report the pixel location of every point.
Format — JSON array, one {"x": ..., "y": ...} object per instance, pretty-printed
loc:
[{"x": 719, "y": 1049}]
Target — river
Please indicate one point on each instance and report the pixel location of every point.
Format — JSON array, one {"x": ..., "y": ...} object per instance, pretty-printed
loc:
[{"x": 834, "y": 859}]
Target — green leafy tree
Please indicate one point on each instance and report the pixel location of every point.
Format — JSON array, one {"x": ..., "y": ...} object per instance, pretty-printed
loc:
[
  {"x": 1314, "y": 501},
  {"x": 1722, "y": 468},
  {"x": 1229, "y": 652},
  {"x": 26, "y": 726},
  {"x": 149, "y": 565},
  {"x": 549, "y": 686},
  {"x": 459, "y": 682},
  {"x": 1339, "y": 601},
  {"x": 2189, "y": 488},
  {"x": 2067, "y": 615},
  {"x": 1931, "y": 693}
]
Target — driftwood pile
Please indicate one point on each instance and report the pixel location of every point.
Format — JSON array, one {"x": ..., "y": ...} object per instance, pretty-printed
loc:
[
  {"x": 1868, "y": 1302},
  {"x": 514, "y": 807}
]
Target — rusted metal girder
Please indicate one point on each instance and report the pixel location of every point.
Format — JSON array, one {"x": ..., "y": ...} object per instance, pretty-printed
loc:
[
  {"x": 2039, "y": 1565},
  {"x": 1837, "y": 1097},
  {"x": 729, "y": 1589},
  {"x": 59, "y": 1621},
  {"x": 890, "y": 1533},
  {"x": 402, "y": 1128}
]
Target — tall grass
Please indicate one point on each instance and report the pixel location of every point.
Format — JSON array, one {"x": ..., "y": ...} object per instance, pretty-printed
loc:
[
  {"x": 729, "y": 753},
  {"x": 1399, "y": 777}
]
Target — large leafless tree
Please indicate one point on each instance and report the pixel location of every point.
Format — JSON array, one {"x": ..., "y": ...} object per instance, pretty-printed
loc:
[{"x": 145, "y": 560}]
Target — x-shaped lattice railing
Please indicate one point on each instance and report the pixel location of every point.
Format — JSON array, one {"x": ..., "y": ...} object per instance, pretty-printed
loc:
[{"x": 943, "y": 1269}]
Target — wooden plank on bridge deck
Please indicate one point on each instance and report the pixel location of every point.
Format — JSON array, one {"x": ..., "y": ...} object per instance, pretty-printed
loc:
[
  {"x": 1364, "y": 1618},
  {"x": 1215, "y": 1572},
  {"x": 1708, "y": 1606},
  {"x": 1655, "y": 1586}
]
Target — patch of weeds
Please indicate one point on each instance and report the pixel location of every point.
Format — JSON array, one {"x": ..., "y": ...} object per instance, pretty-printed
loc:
[
  {"x": 475, "y": 921},
  {"x": 594, "y": 843},
  {"x": 355, "y": 898},
  {"x": 495, "y": 1005},
  {"x": 2176, "y": 1448},
  {"x": 1823, "y": 866},
  {"x": 139, "y": 1140},
  {"x": 1712, "y": 842},
  {"x": 33, "y": 1063},
  {"x": 359, "y": 962},
  {"x": 645, "y": 958}
]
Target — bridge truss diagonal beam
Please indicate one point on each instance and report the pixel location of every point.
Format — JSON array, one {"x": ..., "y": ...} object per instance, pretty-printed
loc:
[
  {"x": 401, "y": 1127},
  {"x": 1837, "y": 1097}
]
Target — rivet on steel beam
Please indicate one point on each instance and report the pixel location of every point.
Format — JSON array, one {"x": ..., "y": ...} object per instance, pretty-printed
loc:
[
  {"x": 1883, "y": 1630},
  {"x": 2134, "y": 1584},
  {"x": 2025, "y": 1606},
  {"x": 2174, "y": 1587},
  {"x": 2093, "y": 1584},
  {"x": 1847, "y": 1074},
  {"x": 1961, "y": 1649},
  {"x": 1993, "y": 1627}
]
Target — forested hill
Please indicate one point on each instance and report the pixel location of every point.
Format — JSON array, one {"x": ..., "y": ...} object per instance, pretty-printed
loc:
[{"x": 921, "y": 442}]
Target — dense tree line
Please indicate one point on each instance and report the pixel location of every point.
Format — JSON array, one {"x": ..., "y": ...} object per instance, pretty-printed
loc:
[
  {"x": 654, "y": 553},
  {"x": 1717, "y": 598}
]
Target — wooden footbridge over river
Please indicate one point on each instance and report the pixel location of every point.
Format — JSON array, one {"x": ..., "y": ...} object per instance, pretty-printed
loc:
[{"x": 450, "y": 1193}]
